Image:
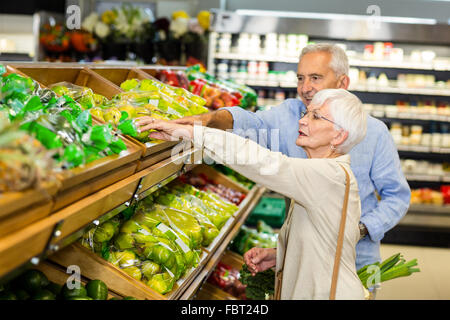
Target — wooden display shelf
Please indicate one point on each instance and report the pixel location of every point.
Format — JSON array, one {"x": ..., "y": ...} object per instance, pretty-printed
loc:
[
  {"x": 81, "y": 181},
  {"x": 22, "y": 218},
  {"x": 57, "y": 274},
  {"x": 117, "y": 280},
  {"x": 211, "y": 292},
  {"x": 118, "y": 75},
  {"x": 153, "y": 70},
  {"x": 98, "y": 79},
  {"x": 233, "y": 259},
  {"x": 93, "y": 266},
  {"x": 78, "y": 75},
  {"x": 216, "y": 256}
]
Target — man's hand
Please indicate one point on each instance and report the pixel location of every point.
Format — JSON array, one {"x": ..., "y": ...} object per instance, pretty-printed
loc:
[
  {"x": 220, "y": 119},
  {"x": 166, "y": 130},
  {"x": 260, "y": 259}
]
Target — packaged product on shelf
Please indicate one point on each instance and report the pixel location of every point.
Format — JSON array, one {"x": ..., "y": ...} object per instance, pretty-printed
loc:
[
  {"x": 59, "y": 123},
  {"x": 142, "y": 97},
  {"x": 145, "y": 248},
  {"x": 247, "y": 238},
  {"x": 193, "y": 206},
  {"x": 235, "y": 176},
  {"x": 202, "y": 182},
  {"x": 227, "y": 278},
  {"x": 174, "y": 78},
  {"x": 219, "y": 210},
  {"x": 219, "y": 93},
  {"x": 24, "y": 162}
]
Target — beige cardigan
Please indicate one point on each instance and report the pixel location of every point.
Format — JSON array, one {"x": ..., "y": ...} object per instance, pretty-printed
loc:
[{"x": 317, "y": 187}]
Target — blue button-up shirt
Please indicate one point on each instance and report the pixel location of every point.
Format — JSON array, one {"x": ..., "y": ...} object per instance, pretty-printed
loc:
[{"x": 374, "y": 161}]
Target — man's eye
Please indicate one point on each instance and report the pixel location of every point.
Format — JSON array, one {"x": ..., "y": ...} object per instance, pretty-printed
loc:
[{"x": 300, "y": 78}]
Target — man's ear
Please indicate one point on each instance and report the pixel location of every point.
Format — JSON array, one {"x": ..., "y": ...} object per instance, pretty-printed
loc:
[
  {"x": 343, "y": 82},
  {"x": 340, "y": 138}
]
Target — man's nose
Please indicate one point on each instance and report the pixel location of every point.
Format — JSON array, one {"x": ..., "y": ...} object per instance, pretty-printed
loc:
[{"x": 305, "y": 86}]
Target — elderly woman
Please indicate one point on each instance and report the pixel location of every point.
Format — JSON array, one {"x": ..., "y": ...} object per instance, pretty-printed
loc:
[{"x": 306, "y": 251}]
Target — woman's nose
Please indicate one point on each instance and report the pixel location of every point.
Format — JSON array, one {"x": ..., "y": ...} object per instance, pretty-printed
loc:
[{"x": 303, "y": 121}]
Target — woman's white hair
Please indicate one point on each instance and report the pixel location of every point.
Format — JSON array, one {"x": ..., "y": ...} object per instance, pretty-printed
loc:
[
  {"x": 339, "y": 59},
  {"x": 347, "y": 111}
]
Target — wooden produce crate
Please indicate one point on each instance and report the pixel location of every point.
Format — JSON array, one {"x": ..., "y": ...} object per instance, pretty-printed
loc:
[
  {"x": 20, "y": 209},
  {"x": 153, "y": 70},
  {"x": 220, "y": 178},
  {"x": 117, "y": 75},
  {"x": 94, "y": 266},
  {"x": 30, "y": 209},
  {"x": 215, "y": 256},
  {"x": 47, "y": 75},
  {"x": 211, "y": 292},
  {"x": 233, "y": 259},
  {"x": 81, "y": 181},
  {"x": 18, "y": 247},
  {"x": 58, "y": 275}
]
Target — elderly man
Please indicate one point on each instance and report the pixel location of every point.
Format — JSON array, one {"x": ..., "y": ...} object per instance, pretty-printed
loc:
[{"x": 374, "y": 161}]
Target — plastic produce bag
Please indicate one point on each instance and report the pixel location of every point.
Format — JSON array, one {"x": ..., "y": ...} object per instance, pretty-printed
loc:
[
  {"x": 196, "y": 208},
  {"x": 83, "y": 95}
]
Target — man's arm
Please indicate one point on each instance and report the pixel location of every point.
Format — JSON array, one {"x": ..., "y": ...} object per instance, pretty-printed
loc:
[
  {"x": 391, "y": 185},
  {"x": 219, "y": 119}
]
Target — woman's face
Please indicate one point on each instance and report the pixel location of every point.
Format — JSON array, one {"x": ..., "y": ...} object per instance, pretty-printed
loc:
[{"x": 316, "y": 131}]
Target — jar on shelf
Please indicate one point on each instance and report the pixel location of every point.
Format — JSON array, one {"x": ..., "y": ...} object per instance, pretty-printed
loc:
[
  {"x": 425, "y": 140},
  {"x": 436, "y": 139},
  {"x": 416, "y": 135}
]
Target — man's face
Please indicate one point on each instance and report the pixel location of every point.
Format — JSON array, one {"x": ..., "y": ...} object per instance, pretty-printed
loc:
[{"x": 314, "y": 74}]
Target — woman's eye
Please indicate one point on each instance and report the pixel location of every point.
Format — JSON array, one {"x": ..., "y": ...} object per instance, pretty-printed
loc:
[{"x": 316, "y": 116}]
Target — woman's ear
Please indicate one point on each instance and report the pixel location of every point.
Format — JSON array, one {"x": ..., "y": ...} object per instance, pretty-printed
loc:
[{"x": 340, "y": 138}]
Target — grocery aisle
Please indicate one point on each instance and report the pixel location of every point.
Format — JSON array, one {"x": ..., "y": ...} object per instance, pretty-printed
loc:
[{"x": 431, "y": 283}]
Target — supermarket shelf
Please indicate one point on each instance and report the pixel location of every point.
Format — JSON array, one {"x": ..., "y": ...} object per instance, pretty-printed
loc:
[
  {"x": 416, "y": 116},
  {"x": 429, "y": 209},
  {"x": 400, "y": 90},
  {"x": 359, "y": 87},
  {"x": 423, "y": 149},
  {"x": 437, "y": 65},
  {"x": 427, "y": 177},
  {"x": 426, "y": 220}
]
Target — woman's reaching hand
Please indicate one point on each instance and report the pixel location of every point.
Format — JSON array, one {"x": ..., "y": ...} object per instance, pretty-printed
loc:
[
  {"x": 165, "y": 130},
  {"x": 260, "y": 259}
]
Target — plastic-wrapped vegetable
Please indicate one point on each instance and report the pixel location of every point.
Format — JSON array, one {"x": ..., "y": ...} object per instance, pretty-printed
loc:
[
  {"x": 219, "y": 93},
  {"x": 196, "y": 208},
  {"x": 24, "y": 162},
  {"x": 183, "y": 222},
  {"x": 212, "y": 201},
  {"x": 248, "y": 238},
  {"x": 59, "y": 124},
  {"x": 83, "y": 95}
]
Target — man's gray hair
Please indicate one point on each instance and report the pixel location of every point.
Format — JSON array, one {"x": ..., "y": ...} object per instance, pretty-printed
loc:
[
  {"x": 339, "y": 59},
  {"x": 347, "y": 111}
]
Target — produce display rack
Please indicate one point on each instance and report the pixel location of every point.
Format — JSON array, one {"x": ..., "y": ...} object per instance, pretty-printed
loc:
[{"x": 54, "y": 218}]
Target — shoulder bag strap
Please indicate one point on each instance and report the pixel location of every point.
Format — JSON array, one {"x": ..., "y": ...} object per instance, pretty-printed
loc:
[{"x": 340, "y": 241}]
